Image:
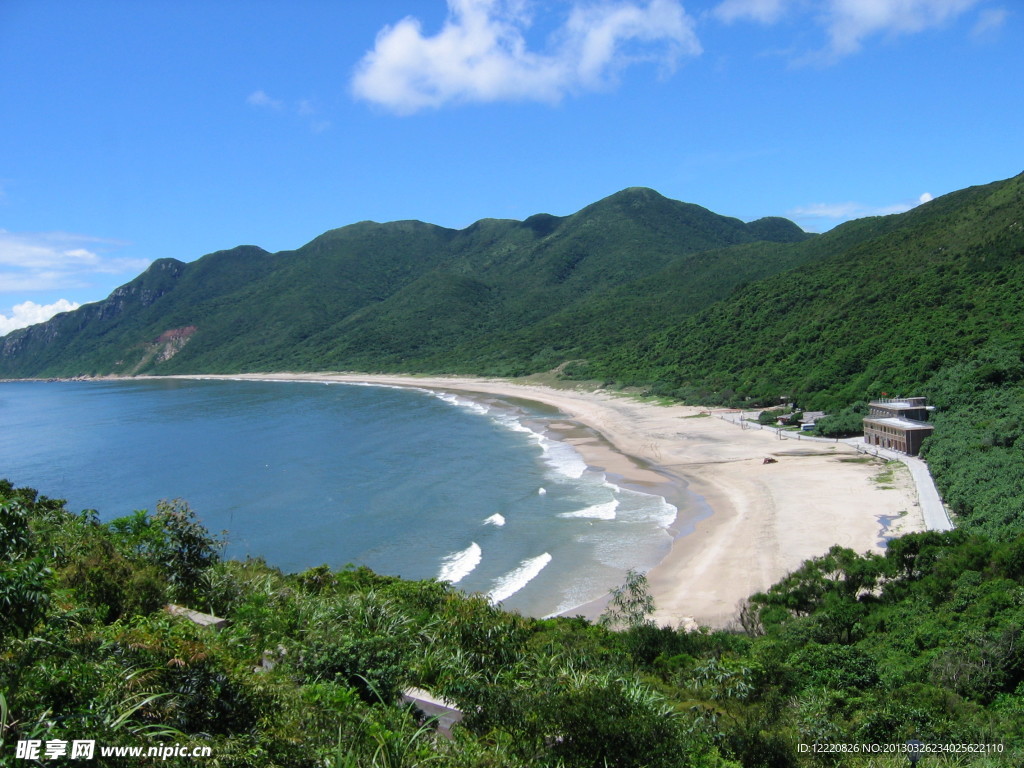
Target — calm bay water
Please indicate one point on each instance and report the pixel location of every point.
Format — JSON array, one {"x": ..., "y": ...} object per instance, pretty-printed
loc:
[{"x": 407, "y": 482}]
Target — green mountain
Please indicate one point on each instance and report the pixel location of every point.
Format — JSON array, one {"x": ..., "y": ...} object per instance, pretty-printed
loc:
[
  {"x": 635, "y": 288},
  {"x": 878, "y": 305},
  {"x": 412, "y": 296}
]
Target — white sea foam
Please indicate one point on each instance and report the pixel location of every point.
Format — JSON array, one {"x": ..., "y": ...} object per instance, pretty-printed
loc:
[
  {"x": 507, "y": 585},
  {"x": 512, "y": 423},
  {"x": 562, "y": 458},
  {"x": 495, "y": 519},
  {"x": 559, "y": 456},
  {"x": 666, "y": 514},
  {"x": 604, "y": 511},
  {"x": 458, "y": 565},
  {"x": 542, "y": 491},
  {"x": 461, "y": 402},
  {"x": 578, "y": 593},
  {"x": 377, "y": 385},
  {"x": 647, "y": 508}
]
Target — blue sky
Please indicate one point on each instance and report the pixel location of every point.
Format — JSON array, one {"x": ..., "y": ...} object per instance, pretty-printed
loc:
[{"x": 132, "y": 131}]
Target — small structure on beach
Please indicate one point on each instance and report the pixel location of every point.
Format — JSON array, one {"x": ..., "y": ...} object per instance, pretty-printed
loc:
[
  {"x": 202, "y": 619},
  {"x": 809, "y": 419},
  {"x": 898, "y": 424},
  {"x": 443, "y": 712}
]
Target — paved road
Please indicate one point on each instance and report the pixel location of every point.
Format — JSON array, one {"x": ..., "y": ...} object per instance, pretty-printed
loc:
[{"x": 932, "y": 508}]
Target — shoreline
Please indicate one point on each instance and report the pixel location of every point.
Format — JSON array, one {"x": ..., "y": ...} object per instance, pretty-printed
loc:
[{"x": 765, "y": 519}]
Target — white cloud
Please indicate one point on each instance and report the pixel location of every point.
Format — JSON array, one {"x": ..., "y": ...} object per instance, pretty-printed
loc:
[
  {"x": 481, "y": 53},
  {"x": 304, "y": 109},
  {"x": 261, "y": 99},
  {"x": 990, "y": 20},
  {"x": 28, "y": 282},
  {"x": 828, "y": 211},
  {"x": 764, "y": 11},
  {"x": 815, "y": 215},
  {"x": 37, "y": 261},
  {"x": 29, "y": 313},
  {"x": 848, "y": 23}
]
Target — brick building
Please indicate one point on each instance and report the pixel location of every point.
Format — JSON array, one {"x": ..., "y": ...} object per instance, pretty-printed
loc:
[{"x": 898, "y": 424}]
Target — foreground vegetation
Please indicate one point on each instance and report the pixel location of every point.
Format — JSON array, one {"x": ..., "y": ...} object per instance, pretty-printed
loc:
[{"x": 921, "y": 643}]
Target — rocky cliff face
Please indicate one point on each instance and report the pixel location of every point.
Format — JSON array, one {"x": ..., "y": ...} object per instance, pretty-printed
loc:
[
  {"x": 134, "y": 294},
  {"x": 170, "y": 342},
  {"x": 96, "y": 318}
]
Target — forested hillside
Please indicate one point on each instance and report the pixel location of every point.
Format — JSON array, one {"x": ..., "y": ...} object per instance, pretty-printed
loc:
[
  {"x": 635, "y": 289},
  {"x": 923, "y": 643},
  {"x": 405, "y": 295},
  {"x": 887, "y": 303}
]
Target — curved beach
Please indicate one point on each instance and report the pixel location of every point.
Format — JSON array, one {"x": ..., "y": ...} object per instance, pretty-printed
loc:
[{"x": 766, "y": 518}]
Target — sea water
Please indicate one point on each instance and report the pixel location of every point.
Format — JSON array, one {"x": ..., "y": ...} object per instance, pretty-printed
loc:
[{"x": 471, "y": 490}]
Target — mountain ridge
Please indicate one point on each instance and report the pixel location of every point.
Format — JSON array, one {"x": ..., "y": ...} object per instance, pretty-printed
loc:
[
  {"x": 892, "y": 300},
  {"x": 648, "y": 291},
  {"x": 402, "y": 289}
]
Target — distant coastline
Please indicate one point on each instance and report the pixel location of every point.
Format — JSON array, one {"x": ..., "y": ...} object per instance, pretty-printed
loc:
[{"x": 765, "y": 520}]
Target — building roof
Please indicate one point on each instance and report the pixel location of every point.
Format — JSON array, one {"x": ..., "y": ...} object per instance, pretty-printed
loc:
[
  {"x": 899, "y": 423},
  {"x": 202, "y": 619},
  {"x": 445, "y": 712},
  {"x": 912, "y": 404}
]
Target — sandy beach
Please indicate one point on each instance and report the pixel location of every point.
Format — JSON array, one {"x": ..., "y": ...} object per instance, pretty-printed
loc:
[{"x": 766, "y": 518}]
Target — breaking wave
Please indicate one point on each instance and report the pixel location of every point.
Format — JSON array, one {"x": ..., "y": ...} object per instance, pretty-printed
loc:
[
  {"x": 604, "y": 511},
  {"x": 507, "y": 585},
  {"x": 458, "y": 565}
]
